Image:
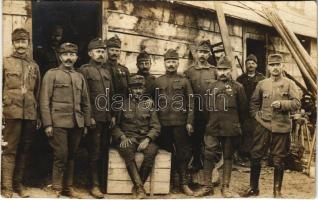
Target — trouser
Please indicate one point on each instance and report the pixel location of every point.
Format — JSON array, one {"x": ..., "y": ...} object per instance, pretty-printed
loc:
[
  {"x": 98, "y": 146},
  {"x": 128, "y": 154},
  {"x": 176, "y": 140},
  {"x": 228, "y": 144},
  {"x": 278, "y": 144},
  {"x": 18, "y": 134},
  {"x": 199, "y": 127},
  {"x": 65, "y": 143},
  {"x": 246, "y": 138}
]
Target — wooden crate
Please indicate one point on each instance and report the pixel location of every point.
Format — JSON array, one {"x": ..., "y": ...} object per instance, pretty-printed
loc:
[{"x": 119, "y": 182}]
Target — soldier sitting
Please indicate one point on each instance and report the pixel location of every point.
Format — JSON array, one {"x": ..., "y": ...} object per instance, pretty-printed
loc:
[{"x": 136, "y": 130}]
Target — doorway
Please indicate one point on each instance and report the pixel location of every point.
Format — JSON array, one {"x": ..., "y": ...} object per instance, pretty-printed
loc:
[
  {"x": 81, "y": 21},
  {"x": 258, "y": 48}
]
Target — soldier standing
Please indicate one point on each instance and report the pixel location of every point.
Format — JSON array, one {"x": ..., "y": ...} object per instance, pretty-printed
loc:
[
  {"x": 271, "y": 103},
  {"x": 176, "y": 117},
  {"x": 136, "y": 130},
  {"x": 249, "y": 81},
  {"x": 99, "y": 84},
  {"x": 144, "y": 65},
  {"x": 120, "y": 74},
  {"x": 21, "y": 86},
  {"x": 200, "y": 74},
  {"x": 229, "y": 104},
  {"x": 65, "y": 111}
]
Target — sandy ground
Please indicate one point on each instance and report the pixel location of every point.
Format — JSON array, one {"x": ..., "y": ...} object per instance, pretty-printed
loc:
[{"x": 296, "y": 185}]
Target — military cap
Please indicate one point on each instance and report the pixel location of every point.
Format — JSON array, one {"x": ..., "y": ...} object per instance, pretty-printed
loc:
[
  {"x": 114, "y": 42},
  {"x": 224, "y": 63},
  {"x": 143, "y": 55},
  {"x": 275, "y": 58},
  {"x": 251, "y": 57},
  {"x": 204, "y": 45},
  {"x": 171, "y": 54},
  {"x": 68, "y": 48},
  {"x": 96, "y": 43},
  {"x": 20, "y": 33},
  {"x": 136, "y": 80}
]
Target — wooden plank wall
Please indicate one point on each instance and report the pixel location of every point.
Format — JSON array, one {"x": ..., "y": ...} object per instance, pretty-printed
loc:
[
  {"x": 16, "y": 14},
  {"x": 163, "y": 25}
]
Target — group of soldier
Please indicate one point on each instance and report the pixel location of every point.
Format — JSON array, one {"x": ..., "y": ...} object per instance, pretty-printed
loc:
[{"x": 69, "y": 103}]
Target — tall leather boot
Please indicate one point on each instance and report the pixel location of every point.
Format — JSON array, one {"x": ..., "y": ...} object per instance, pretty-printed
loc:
[
  {"x": 135, "y": 177},
  {"x": 253, "y": 190},
  {"x": 19, "y": 174},
  {"x": 95, "y": 190},
  {"x": 227, "y": 171},
  {"x": 184, "y": 182},
  {"x": 68, "y": 182},
  {"x": 175, "y": 182},
  {"x": 207, "y": 188},
  {"x": 7, "y": 176},
  {"x": 278, "y": 180}
]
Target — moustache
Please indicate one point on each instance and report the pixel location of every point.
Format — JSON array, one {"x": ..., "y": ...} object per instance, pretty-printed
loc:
[{"x": 69, "y": 61}]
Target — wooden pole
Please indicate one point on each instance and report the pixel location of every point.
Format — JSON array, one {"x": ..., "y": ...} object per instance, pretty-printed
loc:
[
  {"x": 225, "y": 36},
  {"x": 313, "y": 144}
]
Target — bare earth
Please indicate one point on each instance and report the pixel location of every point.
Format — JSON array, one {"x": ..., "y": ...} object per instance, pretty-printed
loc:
[{"x": 296, "y": 185}]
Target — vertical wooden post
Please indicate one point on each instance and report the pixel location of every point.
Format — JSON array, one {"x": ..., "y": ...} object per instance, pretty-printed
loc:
[
  {"x": 225, "y": 36},
  {"x": 105, "y": 6}
]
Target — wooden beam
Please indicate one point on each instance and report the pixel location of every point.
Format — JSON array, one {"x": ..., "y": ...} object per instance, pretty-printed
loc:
[{"x": 225, "y": 36}]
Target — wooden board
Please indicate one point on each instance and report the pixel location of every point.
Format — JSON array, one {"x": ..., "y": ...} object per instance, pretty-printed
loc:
[
  {"x": 163, "y": 160},
  {"x": 125, "y": 187},
  {"x": 6, "y": 37},
  {"x": 121, "y": 174}
]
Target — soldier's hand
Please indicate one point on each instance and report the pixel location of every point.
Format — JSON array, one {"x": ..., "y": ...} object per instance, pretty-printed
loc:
[
  {"x": 38, "y": 124},
  {"x": 93, "y": 123},
  {"x": 112, "y": 122},
  {"x": 125, "y": 142},
  {"x": 143, "y": 144},
  {"x": 189, "y": 129},
  {"x": 49, "y": 131},
  {"x": 276, "y": 104},
  {"x": 85, "y": 131}
]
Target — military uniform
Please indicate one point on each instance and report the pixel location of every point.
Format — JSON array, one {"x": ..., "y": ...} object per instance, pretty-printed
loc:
[
  {"x": 228, "y": 107},
  {"x": 120, "y": 74},
  {"x": 200, "y": 78},
  {"x": 65, "y": 106},
  {"x": 100, "y": 90},
  {"x": 273, "y": 125},
  {"x": 249, "y": 83},
  {"x": 137, "y": 120},
  {"x": 21, "y": 85},
  {"x": 174, "y": 117}
]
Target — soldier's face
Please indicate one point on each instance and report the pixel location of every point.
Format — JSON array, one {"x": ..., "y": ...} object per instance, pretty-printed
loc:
[
  {"x": 171, "y": 65},
  {"x": 21, "y": 46},
  {"x": 223, "y": 74},
  {"x": 251, "y": 66},
  {"x": 137, "y": 91},
  {"x": 275, "y": 69},
  {"x": 113, "y": 53},
  {"x": 98, "y": 55},
  {"x": 144, "y": 65},
  {"x": 203, "y": 55},
  {"x": 68, "y": 59}
]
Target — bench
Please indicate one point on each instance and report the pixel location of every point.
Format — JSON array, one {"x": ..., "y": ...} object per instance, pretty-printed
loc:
[{"x": 119, "y": 182}]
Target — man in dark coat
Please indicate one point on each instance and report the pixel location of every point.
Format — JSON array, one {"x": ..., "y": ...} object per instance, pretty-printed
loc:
[
  {"x": 120, "y": 74},
  {"x": 100, "y": 90},
  {"x": 271, "y": 104},
  {"x": 176, "y": 116},
  {"x": 228, "y": 107},
  {"x": 136, "y": 130}
]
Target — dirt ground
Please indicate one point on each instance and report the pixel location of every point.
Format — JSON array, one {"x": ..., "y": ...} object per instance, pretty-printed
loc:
[{"x": 295, "y": 185}]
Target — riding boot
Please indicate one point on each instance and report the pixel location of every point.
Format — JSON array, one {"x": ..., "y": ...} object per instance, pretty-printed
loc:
[
  {"x": 253, "y": 190},
  {"x": 278, "y": 180},
  {"x": 207, "y": 188}
]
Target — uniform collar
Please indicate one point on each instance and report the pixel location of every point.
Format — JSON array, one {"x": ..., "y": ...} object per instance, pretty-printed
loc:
[
  {"x": 94, "y": 63},
  {"x": 143, "y": 73},
  {"x": 66, "y": 69},
  {"x": 24, "y": 56},
  {"x": 112, "y": 63}
]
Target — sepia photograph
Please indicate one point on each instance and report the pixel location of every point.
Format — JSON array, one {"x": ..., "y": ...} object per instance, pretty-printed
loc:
[{"x": 167, "y": 99}]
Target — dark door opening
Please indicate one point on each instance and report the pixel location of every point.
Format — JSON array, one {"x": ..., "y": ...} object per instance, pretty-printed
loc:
[
  {"x": 257, "y": 47},
  {"x": 80, "y": 20}
]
